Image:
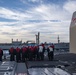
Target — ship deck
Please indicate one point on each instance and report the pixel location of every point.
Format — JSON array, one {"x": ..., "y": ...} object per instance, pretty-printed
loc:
[{"x": 63, "y": 64}]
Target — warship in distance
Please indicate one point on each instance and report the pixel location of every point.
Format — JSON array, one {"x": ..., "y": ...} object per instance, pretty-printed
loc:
[{"x": 63, "y": 64}]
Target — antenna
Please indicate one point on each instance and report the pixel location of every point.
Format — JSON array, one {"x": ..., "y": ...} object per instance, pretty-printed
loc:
[{"x": 58, "y": 39}]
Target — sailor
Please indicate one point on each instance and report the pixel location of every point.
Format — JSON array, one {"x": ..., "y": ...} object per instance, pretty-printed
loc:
[
  {"x": 31, "y": 49},
  {"x": 28, "y": 51},
  {"x": 1, "y": 54},
  {"x": 11, "y": 52},
  {"x": 41, "y": 52},
  {"x": 24, "y": 53},
  {"x": 18, "y": 54},
  {"x": 37, "y": 52},
  {"x": 34, "y": 52},
  {"x": 50, "y": 51}
]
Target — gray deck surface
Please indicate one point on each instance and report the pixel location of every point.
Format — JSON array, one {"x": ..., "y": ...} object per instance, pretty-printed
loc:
[
  {"x": 7, "y": 68},
  {"x": 47, "y": 71},
  {"x": 66, "y": 62},
  {"x": 21, "y": 68}
]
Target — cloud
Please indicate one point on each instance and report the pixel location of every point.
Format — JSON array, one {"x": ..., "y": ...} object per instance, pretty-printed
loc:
[
  {"x": 70, "y": 6},
  {"x": 33, "y": 1},
  {"x": 8, "y": 33},
  {"x": 49, "y": 19},
  {"x": 48, "y": 12},
  {"x": 13, "y": 14}
]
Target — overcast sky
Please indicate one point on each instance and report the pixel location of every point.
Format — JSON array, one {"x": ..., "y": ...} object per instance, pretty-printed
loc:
[{"x": 23, "y": 19}]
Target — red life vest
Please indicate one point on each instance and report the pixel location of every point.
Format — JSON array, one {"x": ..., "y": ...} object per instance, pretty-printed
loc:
[
  {"x": 42, "y": 45},
  {"x": 11, "y": 50},
  {"x": 18, "y": 49},
  {"x": 24, "y": 49},
  {"x": 32, "y": 49},
  {"x": 52, "y": 46},
  {"x": 35, "y": 48}
]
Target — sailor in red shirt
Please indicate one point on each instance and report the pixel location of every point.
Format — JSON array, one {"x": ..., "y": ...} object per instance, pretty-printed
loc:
[
  {"x": 18, "y": 54},
  {"x": 31, "y": 49},
  {"x": 27, "y": 53},
  {"x": 34, "y": 52},
  {"x": 24, "y": 53},
  {"x": 1, "y": 54},
  {"x": 37, "y": 52},
  {"x": 11, "y": 52}
]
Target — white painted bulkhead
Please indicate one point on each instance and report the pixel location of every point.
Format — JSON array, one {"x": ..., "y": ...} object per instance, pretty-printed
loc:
[{"x": 73, "y": 34}]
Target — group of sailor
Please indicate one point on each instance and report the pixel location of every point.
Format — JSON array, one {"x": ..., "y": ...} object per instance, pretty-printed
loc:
[{"x": 29, "y": 53}]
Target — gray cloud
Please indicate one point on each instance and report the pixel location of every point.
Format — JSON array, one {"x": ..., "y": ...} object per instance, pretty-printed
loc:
[
  {"x": 8, "y": 33},
  {"x": 49, "y": 20}
]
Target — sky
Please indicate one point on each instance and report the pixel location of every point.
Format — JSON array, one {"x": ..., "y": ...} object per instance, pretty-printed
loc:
[{"x": 23, "y": 19}]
